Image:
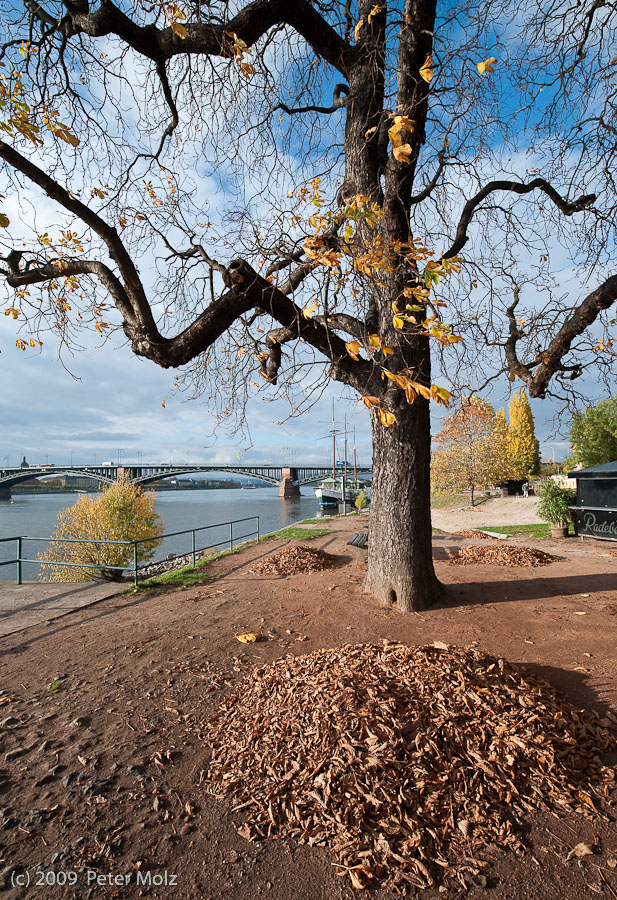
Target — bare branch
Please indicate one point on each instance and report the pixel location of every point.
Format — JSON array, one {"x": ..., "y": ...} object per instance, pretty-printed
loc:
[
  {"x": 17, "y": 278},
  {"x": 567, "y": 207},
  {"x": 250, "y": 24},
  {"x": 133, "y": 287}
]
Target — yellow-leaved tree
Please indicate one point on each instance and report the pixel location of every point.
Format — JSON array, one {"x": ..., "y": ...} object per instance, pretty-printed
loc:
[
  {"x": 523, "y": 447},
  {"x": 121, "y": 512},
  {"x": 468, "y": 450}
]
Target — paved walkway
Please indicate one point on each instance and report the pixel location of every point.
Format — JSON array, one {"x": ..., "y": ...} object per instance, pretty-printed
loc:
[{"x": 23, "y": 605}]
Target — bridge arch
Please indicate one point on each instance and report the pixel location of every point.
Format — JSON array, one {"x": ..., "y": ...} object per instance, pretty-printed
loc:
[{"x": 10, "y": 478}]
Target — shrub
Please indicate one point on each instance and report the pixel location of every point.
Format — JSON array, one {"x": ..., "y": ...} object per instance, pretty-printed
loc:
[
  {"x": 361, "y": 500},
  {"x": 122, "y": 512},
  {"x": 554, "y": 503}
]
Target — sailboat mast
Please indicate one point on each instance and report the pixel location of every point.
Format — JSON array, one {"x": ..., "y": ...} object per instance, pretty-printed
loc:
[
  {"x": 345, "y": 443},
  {"x": 333, "y": 445}
]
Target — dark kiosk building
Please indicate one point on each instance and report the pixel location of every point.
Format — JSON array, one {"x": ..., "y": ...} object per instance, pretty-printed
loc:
[{"x": 595, "y": 513}]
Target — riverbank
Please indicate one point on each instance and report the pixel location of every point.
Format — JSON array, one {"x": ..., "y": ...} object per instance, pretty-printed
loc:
[{"x": 106, "y": 752}]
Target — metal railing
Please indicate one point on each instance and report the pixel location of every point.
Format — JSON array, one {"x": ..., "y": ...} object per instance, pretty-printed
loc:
[{"x": 135, "y": 568}]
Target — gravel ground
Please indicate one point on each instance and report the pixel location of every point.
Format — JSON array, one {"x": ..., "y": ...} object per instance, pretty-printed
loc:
[{"x": 496, "y": 511}]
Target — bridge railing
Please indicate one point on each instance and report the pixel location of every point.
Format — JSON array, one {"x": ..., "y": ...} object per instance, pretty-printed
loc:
[{"x": 136, "y": 569}]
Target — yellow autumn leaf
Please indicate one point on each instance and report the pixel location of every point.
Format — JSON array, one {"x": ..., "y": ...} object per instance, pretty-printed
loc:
[
  {"x": 395, "y": 139},
  {"x": 402, "y": 153},
  {"x": 397, "y": 322},
  {"x": 248, "y": 637},
  {"x": 421, "y": 389},
  {"x": 353, "y": 348},
  {"x": 356, "y": 31},
  {"x": 387, "y": 351},
  {"x": 247, "y": 69},
  {"x": 487, "y": 65},
  {"x": 163, "y": 404},
  {"x": 375, "y": 11},
  {"x": 426, "y": 72},
  {"x": 374, "y": 341},
  {"x": 404, "y": 123},
  {"x": 4, "y": 221},
  {"x": 386, "y": 418},
  {"x": 179, "y": 29},
  {"x": 308, "y": 311},
  {"x": 370, "y": 401},
  {"x": 410, "y": 393},
  {"x": 440, "y": 395}
]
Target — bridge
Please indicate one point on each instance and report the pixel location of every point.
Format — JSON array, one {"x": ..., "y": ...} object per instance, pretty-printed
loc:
[{"x": 288, "y": 478}]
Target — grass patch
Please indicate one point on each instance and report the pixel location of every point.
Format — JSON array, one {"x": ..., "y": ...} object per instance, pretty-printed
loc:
[
  {"x": 353, "y": 512},
  {"x": 184, "y": 577},
  {"x": 297, "y": 534},
  {"x": 443, "y": 501},
  {"x": 187, "y": 576},
  {"x": 540, "y": 530}
]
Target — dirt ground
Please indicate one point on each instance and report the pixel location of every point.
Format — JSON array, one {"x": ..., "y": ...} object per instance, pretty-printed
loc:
[{"x": 103, "y": 750}]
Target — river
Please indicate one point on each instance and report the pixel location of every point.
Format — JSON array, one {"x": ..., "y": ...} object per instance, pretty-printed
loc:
[{"x": 34, "y": 515}]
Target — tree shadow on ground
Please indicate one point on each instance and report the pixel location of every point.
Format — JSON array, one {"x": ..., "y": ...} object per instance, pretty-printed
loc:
[
  {"x": 514, "y": 587},
  {"x": 577, "y": 690}
]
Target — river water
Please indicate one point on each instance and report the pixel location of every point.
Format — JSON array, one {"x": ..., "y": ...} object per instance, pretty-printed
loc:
[{"x": 34, "y": 515}]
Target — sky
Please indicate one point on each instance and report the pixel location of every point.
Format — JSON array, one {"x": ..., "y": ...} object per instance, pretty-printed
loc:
[
  {"x": 109, "y": 407},
  {"x": 111, "y": 410}
]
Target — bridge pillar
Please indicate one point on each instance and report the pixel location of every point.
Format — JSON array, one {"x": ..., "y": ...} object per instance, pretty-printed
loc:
[
  {"x": 287, "y": 488},
  {"x": 5, "y": 493}
]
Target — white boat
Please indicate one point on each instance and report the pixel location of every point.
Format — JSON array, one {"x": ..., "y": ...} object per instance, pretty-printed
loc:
[{"x": 330, "y": 491}]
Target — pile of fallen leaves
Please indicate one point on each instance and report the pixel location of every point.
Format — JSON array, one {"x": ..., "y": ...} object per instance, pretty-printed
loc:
[
  {"x": 479, "y": 535},
  {"x": 503, "y": 555},
  {"x": 295, "y": 560},
  {"x": 414, "y": 766}
]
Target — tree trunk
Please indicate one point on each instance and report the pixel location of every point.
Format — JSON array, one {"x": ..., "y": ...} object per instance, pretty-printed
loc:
[{"x": 400, "y": 562}]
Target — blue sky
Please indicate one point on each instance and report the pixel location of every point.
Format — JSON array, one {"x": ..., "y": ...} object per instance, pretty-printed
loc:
[{"x": 115, "y": 405}]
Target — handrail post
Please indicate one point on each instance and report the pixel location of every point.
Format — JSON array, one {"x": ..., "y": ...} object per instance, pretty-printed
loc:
[
  {"x": 231, "y": 535},
  {"x": 193, "y": 547},
  {"x": 18, "y": 560},
  {"x": 257, "y": 517},
  {"x": 135, "y": 563}
]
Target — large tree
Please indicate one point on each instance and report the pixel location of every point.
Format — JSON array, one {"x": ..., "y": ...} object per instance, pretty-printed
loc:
[{"x": 182, "y": 143}]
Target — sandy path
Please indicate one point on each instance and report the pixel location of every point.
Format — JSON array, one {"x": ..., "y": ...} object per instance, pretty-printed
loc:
[{"x": 496, "y": 511}]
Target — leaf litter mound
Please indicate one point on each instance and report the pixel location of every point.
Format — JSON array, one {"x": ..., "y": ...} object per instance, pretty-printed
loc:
[
  {"x": 413, "y": 766},
  {"x": 501, "y": 555},
  {"x": 478, "y": 535},
  {"x": 296, "y": 560}
]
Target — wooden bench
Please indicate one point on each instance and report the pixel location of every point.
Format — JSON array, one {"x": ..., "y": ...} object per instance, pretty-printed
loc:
[{"x": 360, "y": 543}]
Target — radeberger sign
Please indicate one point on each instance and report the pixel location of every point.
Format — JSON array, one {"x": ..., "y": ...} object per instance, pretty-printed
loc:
[{"x": 598, "y": 523}]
